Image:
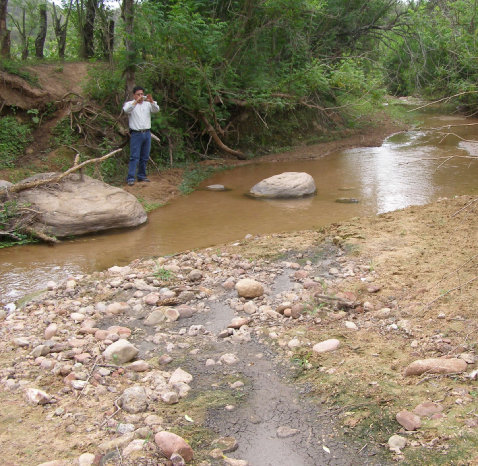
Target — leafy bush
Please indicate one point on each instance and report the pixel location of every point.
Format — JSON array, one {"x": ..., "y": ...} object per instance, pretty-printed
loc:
[{"x": 14, "y": 137}]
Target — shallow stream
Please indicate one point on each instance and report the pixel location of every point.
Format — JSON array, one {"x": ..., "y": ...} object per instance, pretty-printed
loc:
[{"x": 411, "y": 168}]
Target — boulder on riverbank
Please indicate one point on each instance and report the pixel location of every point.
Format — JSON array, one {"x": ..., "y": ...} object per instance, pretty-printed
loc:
[
  {"x": 80, "y": 204},
  {"x": 285, "y": 185}
]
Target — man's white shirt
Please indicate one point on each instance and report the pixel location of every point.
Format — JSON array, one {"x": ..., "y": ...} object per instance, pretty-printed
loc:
[{"x": 139, "y": 115}]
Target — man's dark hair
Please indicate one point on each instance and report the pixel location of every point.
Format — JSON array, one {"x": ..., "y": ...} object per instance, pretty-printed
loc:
[{"x": 137, "y": 88}]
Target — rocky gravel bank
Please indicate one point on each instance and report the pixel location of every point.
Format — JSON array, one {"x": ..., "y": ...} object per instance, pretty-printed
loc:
[{"x": 191, "y": 359}]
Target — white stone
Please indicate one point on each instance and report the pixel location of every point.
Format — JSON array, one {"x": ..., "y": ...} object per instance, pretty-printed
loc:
[
  {"x": 180, "y": 375},
  {"x": 285, "y": 185},
  {"x": 120, "y": 351},
  {"x": 327, "y": 345}
]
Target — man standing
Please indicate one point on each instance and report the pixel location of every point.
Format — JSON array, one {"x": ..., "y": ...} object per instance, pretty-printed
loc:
[{"x": 139, "y": 115}]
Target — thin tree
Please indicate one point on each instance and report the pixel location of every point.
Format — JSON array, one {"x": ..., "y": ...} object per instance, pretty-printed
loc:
[
  {"x": 127, "y": 13},
  {"x": 25, "y": 24},
  {"x": 40, "y": 39},
  {"x": 61, "y": 29},
  {"x": 106, "y": 31},
  {"x": 86, "y": 11},
  {"x": 4, "y": 32}
]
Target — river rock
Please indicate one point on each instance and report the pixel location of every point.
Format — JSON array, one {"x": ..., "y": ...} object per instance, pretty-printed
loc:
[
  {"x": 86, "y": 459},
  {"x": 238, "y": 322},
  {"x": 326, "y": 345},
  {"x": 249, "y": 288},
  {"x": 139, "y": 366},
  {"x": 216, "y": 187},
  {"x": 156, "y": 317},
  {"x": 185, "y": 311},
  {"x": 37, "y": 397},
  {"x": 134, "y": 399},
  {"x": 226, "y": 444},
  {"x": 285, "y": 185},
  {"x": 120, "y": 351},
  {"x": 79, "y": 204},
  {"x": 134, "y": 446},
  {"x": 180, "y": 375},
  {"x": 250, "y": 307},
  {"x": 436, "y": 366},
  {"x": 170, "y": 443},
  {"x": 397, "y": 443},
  {"x": 117, "y": 308},
  {"x": 286, "y": 431},
  {"x": 170, "y": 398},
  {"x": 408, "y": 420},
  {"x": 427, "y": 409}
]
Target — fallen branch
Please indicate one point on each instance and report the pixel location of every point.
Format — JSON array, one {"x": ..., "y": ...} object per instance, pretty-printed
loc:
[
  {"x": 212, "y": 132},
  {"x": 55, "y": 179},
  {"x": 441, "y": 100},
  {"x": 448, "y": 292},
  {"x": 465, "y": 207}
]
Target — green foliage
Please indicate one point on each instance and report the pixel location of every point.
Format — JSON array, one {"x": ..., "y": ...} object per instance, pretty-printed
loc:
[
  {"x": 18, "y": 69},
  {"x": 435, "y": 53},
  {"x": 9, "y": 212},
  {"x": 163, "y": 274},
  {"x": 63, "y": 134},
  {"x": 149, "y": 206},
  {"x": 14, "y": 137},
  {"x": 106, "y": 86}
]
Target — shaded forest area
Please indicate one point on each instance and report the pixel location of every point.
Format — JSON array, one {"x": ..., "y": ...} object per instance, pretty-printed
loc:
[{"x": 241, "y": 77}]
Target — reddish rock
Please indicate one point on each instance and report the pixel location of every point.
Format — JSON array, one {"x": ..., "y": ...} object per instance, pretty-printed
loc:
[
  {"x": 408, "y": 420},
  {"x": 82, "y": 357},
  {"x": 170, "y": 443},
  {"x": 185, "y": 311},
  {"x": 50, "y": 331},
  {"x": 436, "y": 366},
  {"x": 300, "y": 274},
  {"x": 296, "y": 310},
  {"x": 122, "y": 332},
  {"x": 101, "y": 334},
  {"x": 427, "y": 409},
  {"x": 238, "y": 322}
]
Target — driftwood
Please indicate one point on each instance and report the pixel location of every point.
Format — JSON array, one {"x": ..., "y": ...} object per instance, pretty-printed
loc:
[{"x": 16, "y": 188}]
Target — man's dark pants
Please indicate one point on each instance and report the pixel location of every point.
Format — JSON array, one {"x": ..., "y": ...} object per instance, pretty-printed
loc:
[{"x": 140, "y": 146}]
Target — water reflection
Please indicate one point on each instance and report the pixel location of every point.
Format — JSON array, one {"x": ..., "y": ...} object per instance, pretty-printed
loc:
[{"x": 409, "y": 168}]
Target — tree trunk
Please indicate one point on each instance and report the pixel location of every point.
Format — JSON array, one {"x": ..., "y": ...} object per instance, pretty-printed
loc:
[
  {"x": 89, "y": 29},
  {"x": 23, "y": 35},
  {"x": 128, "y": 18},
  {"x": 111, "y": 39},
  {"x": 40, "y": 40},
  {"x": 60, "y": 30},
  {"x": 4, "y": 32}
]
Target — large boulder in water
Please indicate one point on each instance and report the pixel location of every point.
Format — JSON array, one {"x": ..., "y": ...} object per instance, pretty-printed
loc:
[
  {"x": 80, "y": 204},
  {"x": 285, "y": 185}
]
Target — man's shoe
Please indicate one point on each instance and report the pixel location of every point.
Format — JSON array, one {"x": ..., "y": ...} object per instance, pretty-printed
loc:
[
  {"x": 130, "y": 182},
  {"x": 144, "y": 180}
]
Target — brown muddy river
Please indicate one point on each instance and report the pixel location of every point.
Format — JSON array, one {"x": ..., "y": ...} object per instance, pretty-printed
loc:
[{"x": 411, "y": 168}]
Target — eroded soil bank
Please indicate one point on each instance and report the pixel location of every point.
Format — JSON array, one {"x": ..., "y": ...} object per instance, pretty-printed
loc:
[{"x": 390, "y": 290}]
